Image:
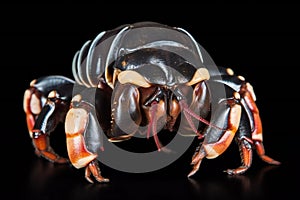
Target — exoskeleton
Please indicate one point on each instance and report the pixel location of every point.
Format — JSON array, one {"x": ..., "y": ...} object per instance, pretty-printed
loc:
[{"x": 144, "y": 78}]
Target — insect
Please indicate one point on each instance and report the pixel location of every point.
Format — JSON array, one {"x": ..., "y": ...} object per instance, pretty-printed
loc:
[{"x": 146, "y": 75}]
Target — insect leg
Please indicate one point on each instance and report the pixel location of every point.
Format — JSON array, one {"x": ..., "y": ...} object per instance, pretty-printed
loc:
[
  {"x": 42, "y": 118},
  {"x": 245, "y": 145},
  {"x": 45, "y": 123},
  {"x": 217, "y": 140},
  {"x": 45, "y": 103},
  {"x": 248, "y": 101},
  {"x": 84, "y": 133}
]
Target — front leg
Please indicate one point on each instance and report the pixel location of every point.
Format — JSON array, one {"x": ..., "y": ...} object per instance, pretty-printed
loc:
[
  {"x": 217, "y": 139},
  {"x": 83, "y": 134}
]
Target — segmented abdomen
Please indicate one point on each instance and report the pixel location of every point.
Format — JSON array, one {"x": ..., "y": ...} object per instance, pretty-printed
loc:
[{"x": 96, "y": 57}]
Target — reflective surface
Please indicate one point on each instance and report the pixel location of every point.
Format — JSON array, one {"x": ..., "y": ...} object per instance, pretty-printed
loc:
[
  {"x": 43, "y": 180},
  {"x": 35, "y": 178}
]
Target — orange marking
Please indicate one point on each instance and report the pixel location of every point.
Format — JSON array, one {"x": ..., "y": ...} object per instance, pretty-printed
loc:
[
  {"x": 257, "y": 129},
  {"x": 49, "y": 155},
  {"x": 76, "y": 121},
  {"x": 259, "y": 148},
  {"x": 77, "y": 151},
  {"x": 30, "y": 117},
  {"x": 215, "y": 149},
  {"x": 247, "y": 156},
  {"x": 30, "y": 123},
  {"x": 41, "y": 143},
  {"x": 72, "y": 135}
]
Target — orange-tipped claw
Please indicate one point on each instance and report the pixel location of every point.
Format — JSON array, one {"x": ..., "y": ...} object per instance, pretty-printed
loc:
[
  {"x": 93, "y": 169},
  {"x": 269, "y": 160},
  {"x": 196, "y": 161},
  {"x": 43, "y": 149},
  {"x": 195, "y": 168}
]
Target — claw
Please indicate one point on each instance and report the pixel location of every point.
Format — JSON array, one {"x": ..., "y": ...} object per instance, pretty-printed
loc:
[
  {"x": 93, "y": 169},
  {"x": 62, "y": 160},
  {"x": 88, "y": 175},
  {"x": 228, "y": 171},
  {"x": 43, "y": 149},
  {"x": 239, "y": 170},
  {"x": 196, "y": 161},
  {"x": 195, "y": 168},
  {"x": 270, "y": 160},
  {"x": 197, "y": 157},
  {"x": 261, "y": 152},
  {"x": 102, "y": 180},
  {"x": 51, "y": 156}
]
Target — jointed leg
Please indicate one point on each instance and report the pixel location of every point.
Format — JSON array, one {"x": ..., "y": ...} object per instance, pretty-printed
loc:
[
  {"x": 78, "y": 119},
  {"x": 94, "y": 169},
  {"x": 261, "y": 152},
  {"x": 41, "y": 142},
  {"x": 246, "y": 157},
  {"x": 218, "y": 140},
  {"x": 257, "y": 137},
  {"x": 41, "y": 120},
  {"x": 46, "y": 102}
]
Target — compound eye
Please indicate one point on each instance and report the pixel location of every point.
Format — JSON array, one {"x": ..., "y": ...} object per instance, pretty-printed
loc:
[
  {"x": 133, "y": 77},
  {"x": 201, "y": 74}
]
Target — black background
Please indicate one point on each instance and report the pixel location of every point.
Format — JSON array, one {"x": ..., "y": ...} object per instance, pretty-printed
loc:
[{"x": 260, "y": 42}]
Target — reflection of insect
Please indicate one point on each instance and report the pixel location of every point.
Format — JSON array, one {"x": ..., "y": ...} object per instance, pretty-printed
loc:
[{"x": 140, "y": 78}]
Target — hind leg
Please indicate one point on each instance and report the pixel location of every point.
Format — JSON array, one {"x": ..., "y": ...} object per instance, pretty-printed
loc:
[
  {"x": 254, "y": 118},
  {"x": 245, "y": 145},
  {"x": 217, "y": 139},
  {"x": 45, "y": 123},
  {"x": 44, "y": 109},
  {"x": 41, "y": 134}
]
